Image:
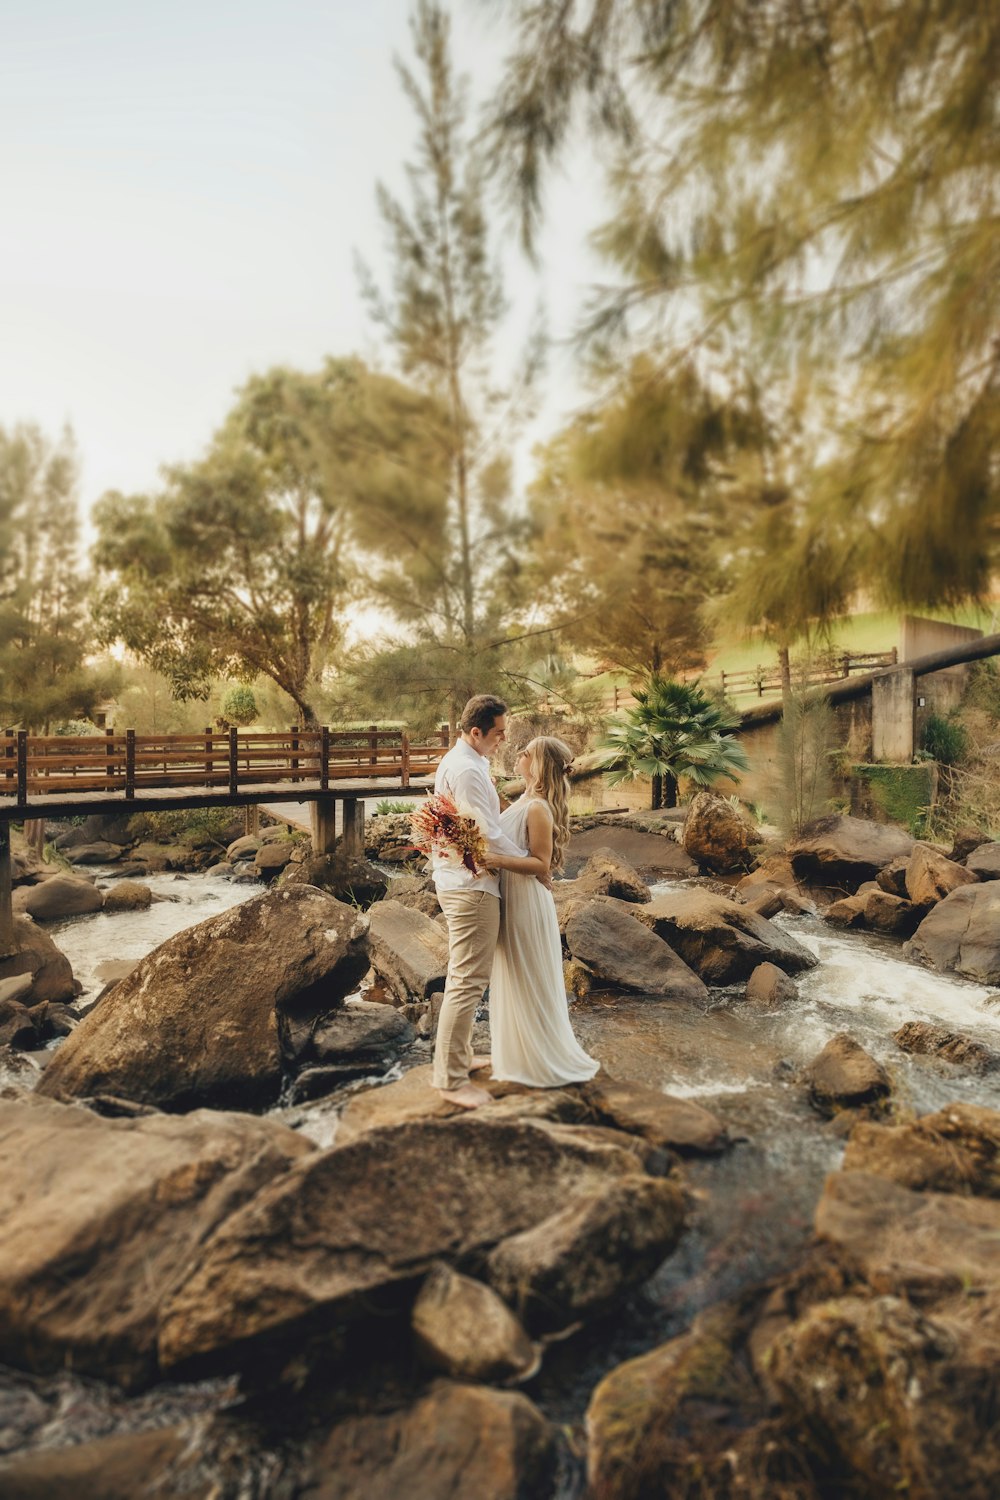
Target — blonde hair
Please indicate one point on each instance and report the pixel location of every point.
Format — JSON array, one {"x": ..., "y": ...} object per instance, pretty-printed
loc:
[{"x": 548, "y": 761}]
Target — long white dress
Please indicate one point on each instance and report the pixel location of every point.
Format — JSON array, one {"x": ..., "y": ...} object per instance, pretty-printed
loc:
[{"x": 532, "y": 1041}]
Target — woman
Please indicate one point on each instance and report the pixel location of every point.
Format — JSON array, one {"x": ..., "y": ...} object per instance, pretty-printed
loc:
[{"x": 533, "y": 1040}]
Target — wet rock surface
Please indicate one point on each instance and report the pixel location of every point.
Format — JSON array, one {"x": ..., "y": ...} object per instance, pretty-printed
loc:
[
  {"x": 845, "y": 851},
  {"x": 717, "y": 835},
  {"x": 844, "y": 1075},
  {"x": 723, "y": 941},
  {"x": 961, "y": 934},
  {"x": 209, "y": 1017},
  {"x": 620, "y": 952}
]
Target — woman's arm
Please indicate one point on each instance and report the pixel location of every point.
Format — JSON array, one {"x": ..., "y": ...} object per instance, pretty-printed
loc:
[{"x": 539, "y": 860}]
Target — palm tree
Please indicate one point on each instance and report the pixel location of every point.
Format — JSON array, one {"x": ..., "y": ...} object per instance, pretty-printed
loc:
[{"x": 674, "y": 730}]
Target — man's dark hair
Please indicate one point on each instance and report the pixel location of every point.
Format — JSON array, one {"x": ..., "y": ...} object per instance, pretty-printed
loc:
[{"x": 481, "y": 712}]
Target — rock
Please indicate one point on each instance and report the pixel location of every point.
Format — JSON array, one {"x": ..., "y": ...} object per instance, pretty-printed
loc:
[
  {"x": 678, "y": 1125},
  {"x": 722, "y": 940},
  {"x": 796, "y": 905},
  {"x": 577, "y": 978},
  {"x": 891, "y": 914},
  {"x": 120, "y": 1467},
  {"x": 930, "y": 876},
  {"x": 619, "y": 952},
  {"x": 937, "y": 1041},
  {"x": 607, "y": 874},
  {"x": 408, "y": 951},
  {"x": 656, "y": 1424},
  {"x": 886, "y": 1392},
  {"x": 718, "y": 835},
  {"x": 849, "y": 911},
  {"x": 94, "y": 854},
  {"x": 62, "y": 896},
  {"x": 349, "y": 877},
  {"x": 773, "y": 871},
  {"x": 210, "y": 1015},
  {"x": 569, "y": 899},
  {"x": 843, "y": 1075},
  {"x": 101, "y": 1219},
  {"x": 841, "y": 851},
  {"x": 647, "y": 842},
  {"x": 245, "y": 847},
  {"x": 416, "y": 891},
  {"x": 965, "y": 840},
  {"x": 768, "y": 988},
  {"x": 961, "y": 934},
  {"x": 17, "y": 1027},
  {"x": 128, "y": 895},
  {"x": 893, "y": 877},
  {"x": 984, "y": 862},
  {"x": 37, "y": 955},
  {"x": 17, "y": 987},
  {"x": 579, "y": 1261},
  {"x": 362, "y": 1032},
  {"x": 273, "y": 856},
  {"x": 955, "y": 1150},
  {"x": 461, "y": 1327},
  {"x": 159, "y": 857},
  {"x": 222, "y": 869},
  {"x": 458, "y": 1440},
  {"x": 766, "y": 900},
  {"x": 346, "y": 1231},
  {"x": 389, "y": 833}
]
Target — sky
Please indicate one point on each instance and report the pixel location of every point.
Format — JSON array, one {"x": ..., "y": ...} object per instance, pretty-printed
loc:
[{"x": 184, "y": 184}]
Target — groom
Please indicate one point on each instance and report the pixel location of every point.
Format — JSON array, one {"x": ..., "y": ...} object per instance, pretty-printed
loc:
[{"x": 471, "y": 903}]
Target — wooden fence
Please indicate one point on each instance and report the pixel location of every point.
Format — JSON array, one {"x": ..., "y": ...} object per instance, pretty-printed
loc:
[{"x": 231, "y": 760}]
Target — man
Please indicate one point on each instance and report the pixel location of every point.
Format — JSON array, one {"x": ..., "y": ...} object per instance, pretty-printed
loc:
[{"x": 471, "y": 904}]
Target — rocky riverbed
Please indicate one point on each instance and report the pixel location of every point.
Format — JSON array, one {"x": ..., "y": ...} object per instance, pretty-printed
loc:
[{"x": 244, "y": 1250}]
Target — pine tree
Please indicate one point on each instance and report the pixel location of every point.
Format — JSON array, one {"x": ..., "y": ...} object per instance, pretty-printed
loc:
[{"x": 449, "y": 571}]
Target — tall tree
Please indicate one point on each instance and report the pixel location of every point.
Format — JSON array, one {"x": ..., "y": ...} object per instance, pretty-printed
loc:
[
  {"x": 45, "y": 676},
  {"x": 630, "y": 508},
  {"x": 240, "y": 567},
  {"x": 449, "y": 571},
  {"x": 819, "y": 183}
]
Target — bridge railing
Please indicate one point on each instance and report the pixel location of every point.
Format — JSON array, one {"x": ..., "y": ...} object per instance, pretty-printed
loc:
[{"x": 124, "y": 762}]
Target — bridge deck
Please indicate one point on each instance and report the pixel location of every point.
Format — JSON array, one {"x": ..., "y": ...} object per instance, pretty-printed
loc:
[{"x": 169, "y": 799}]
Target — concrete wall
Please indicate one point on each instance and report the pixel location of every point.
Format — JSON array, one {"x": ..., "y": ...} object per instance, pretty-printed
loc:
[
  {"x": 941, "y": 691},
  {"x": 893, "y": 725}
]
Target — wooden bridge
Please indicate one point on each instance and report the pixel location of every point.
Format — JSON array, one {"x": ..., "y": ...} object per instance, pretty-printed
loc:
[{"x": 59, "y": 776}]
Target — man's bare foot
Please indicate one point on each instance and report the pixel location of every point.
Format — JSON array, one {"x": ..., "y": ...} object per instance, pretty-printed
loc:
[
  {"x": 480, "y": 1062},
  {"x": 468, "y": 1096}
]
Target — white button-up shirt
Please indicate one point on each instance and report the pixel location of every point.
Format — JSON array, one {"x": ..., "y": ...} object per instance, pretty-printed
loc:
[{"x": 464, "y": 776}]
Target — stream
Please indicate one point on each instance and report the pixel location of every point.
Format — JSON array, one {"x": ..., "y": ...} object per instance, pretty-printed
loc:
[{"x": 754, "y": 1205}]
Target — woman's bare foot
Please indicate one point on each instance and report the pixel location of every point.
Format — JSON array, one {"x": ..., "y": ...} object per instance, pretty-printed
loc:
[
  {"x": 467, "y": 1096},
  {"x": 479, "y": 1063}
]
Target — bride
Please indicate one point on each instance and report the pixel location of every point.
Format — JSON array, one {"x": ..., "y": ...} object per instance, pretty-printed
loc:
[{"x": 533, "y": 1041}]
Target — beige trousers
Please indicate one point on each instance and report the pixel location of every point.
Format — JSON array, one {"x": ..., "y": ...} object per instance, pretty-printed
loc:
[{"x": 473, "y": 919}]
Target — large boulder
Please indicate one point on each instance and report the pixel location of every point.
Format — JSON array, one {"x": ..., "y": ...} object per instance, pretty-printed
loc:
[
  {"x": 984, "y": 862},
  {"x": 461, "y": 1327},
  {"x": 408, "y": 951},
  {"x": 961, "y": 934},
  {"x": 389, "y": 838},
  {"x": 722, "y": 940},
  {"x": 578, "y": 1262},
  {"x": 349, "y": 877},
  {"x": 94, "y": 854},
  {"x": 930, "y": 876},
  {"x": 128, "y": 895},
  {"x": 347, "y": 1233},
  {"x": 62, "y": 896},
  {"x": 362, "y": 1033},
  {"x": 416, "y": 891},
  {"x": 211, "y": 1015},
  {"x": 101, "y": 1219},
  {"x": 458, "y": 1440},
  {"x": 843, "y": 851},
  {"x": 620, "y": 952},
  {"x": 955, "y": 1150},
  {"x": 36, "y": 955},
  {"x": 893, "y": 915},
  {"x": 678, "y": 1125},
  {"x": 120, "y": 1467},
  {"x": 769, "y": 988},
  {"x": 718, "y": 835},
  {"x": 844, "y": 1076}
]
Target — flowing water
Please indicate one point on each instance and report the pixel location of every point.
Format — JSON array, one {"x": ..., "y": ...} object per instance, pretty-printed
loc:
[{"x": 753, "y": 1206}]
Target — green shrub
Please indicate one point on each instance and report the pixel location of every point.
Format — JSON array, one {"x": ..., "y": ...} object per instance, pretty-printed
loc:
[
  {"x": 944, "y": 740},
  {"x": 197, "y": 827},
  {"x": 983, "y": 688},
  {"x": 382, "y": 809}
]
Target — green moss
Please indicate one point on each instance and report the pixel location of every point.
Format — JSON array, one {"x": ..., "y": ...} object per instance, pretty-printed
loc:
[{"x": 903, "y": 794}]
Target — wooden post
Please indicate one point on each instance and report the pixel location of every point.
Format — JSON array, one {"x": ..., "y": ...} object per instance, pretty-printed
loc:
[
  {"x": 373, "y": 744},
  {"x": 209, "y": 762},
  {"x": 9, "y": 756},
  {"x": 251, "y": 819},
  {"x": 444, "y": 735},
  {"x": 845, "y": 665},
  {"x": 129, "y": 763},
  {"x": 404, "y": 775},
  {"x": 109, "y": 750},
  {"x": 22, "y": 767},
  {"x": 353, "y": 840},
  {"x": 234, "y": 764},
  {"x": 324, "y": 758},
  {"x": 324, "y": 825},
  {"x": 8, "y": 942},
  {"x": 293, "y": 730}
]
